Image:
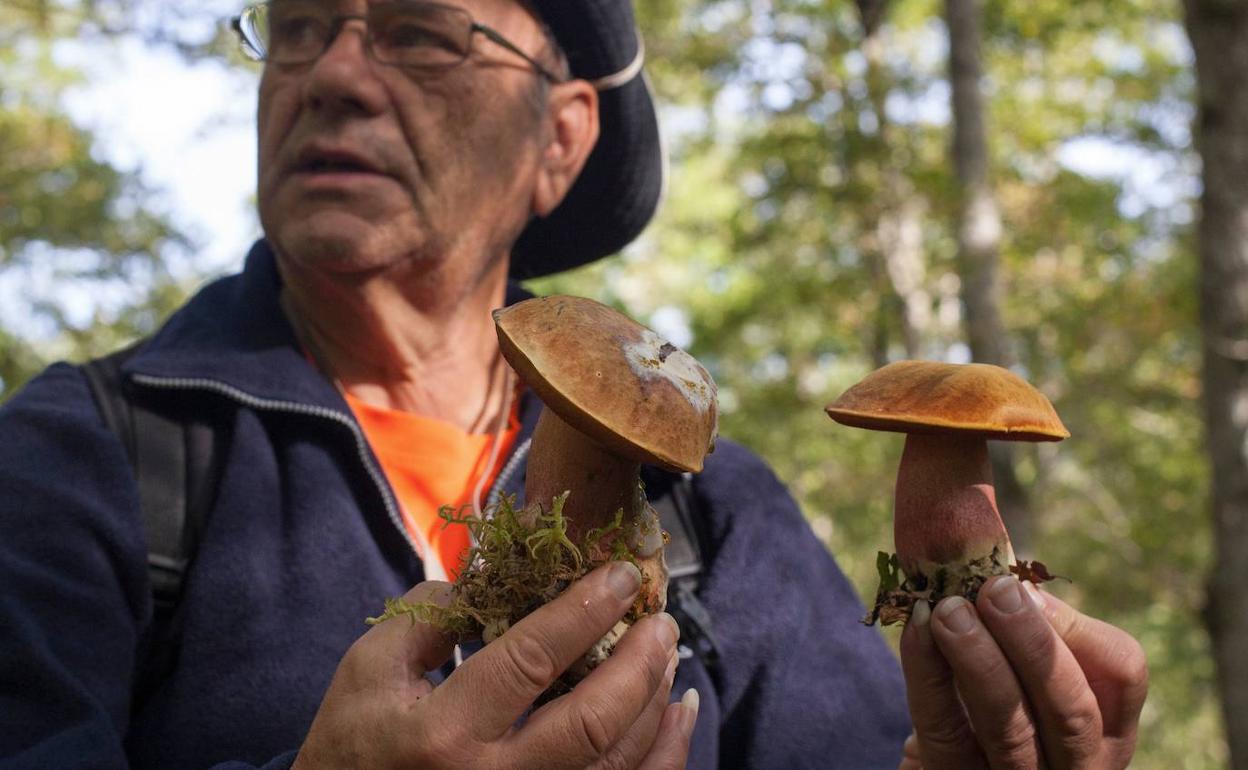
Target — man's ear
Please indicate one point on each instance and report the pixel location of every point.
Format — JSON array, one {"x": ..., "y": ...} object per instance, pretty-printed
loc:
[{"x": 572, "y": 109}]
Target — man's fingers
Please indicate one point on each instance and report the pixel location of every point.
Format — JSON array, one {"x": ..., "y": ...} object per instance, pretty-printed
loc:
[
  {"x": 585, "y": 725},
  {"x": 944, "y": 732},
  {"x": 990, "y": 692},
  {"x": 1065, "y": 708},
  {"x": 671, "y": 747},
  {"x": 424, "y": 647},
  {"x": 496, "y": 685},
  {"x": 1111, "y": 659},
  {"x": 628, "y": 751}
]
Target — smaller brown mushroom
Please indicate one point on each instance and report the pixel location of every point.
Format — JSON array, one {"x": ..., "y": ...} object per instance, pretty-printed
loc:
[
  {"x": 947, "y": 531},
  {"x": 618, "y": 396}
]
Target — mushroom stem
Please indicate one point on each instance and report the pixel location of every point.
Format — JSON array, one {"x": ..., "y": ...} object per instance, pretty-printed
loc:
[
  {"x": 945, "y": 511},
  {"x": 565, "y": 460},
  {"x": 600, "y": 483}
]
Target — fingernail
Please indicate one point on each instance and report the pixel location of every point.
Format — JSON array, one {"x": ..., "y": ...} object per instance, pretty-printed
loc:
[
  {"x": 1006, "y": 594},
  {"x": 624, "y": 579},
  {"x": 690, "y": 702},
  {"x": 955, "y": 614},
  {"x": 670, "y": 631},
  {"x": 921, "y": 614},
  {"x": 1035, "y": 594},
  {"x": 670, "y": 674}
]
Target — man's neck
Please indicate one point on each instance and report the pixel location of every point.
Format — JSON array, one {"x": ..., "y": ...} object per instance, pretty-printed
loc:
[{"x": 425, "y": 345}]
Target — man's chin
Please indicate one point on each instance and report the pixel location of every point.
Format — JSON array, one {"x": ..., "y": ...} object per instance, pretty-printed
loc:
[{"x": 323, "y": 246}]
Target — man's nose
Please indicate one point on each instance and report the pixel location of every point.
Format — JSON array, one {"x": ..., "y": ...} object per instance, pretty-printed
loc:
[{"x": 343, "y": 77}]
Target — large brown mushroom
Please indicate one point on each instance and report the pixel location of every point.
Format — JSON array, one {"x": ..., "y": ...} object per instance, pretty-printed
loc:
[
  {"x": 947, "y": 531},
  {"x": 618, "y": 396}
]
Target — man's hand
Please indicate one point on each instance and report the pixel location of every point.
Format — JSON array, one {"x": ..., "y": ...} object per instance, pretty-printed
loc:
[
  {"x": 1019, "y": 680},
  {"x": 380, "y": 711}
]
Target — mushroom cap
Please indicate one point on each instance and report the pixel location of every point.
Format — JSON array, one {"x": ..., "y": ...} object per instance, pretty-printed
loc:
[
  {"x": 612, "y": 379},
  {"x": 930, "y": 397}
]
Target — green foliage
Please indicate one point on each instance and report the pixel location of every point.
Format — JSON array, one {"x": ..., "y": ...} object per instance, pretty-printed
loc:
[
  {"x": 891, "y": 576},
  {"x": 66, "y": 216}
]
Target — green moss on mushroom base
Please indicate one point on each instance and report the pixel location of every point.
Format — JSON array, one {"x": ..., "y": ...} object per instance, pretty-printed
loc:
[{"x": 521, "y": 560}]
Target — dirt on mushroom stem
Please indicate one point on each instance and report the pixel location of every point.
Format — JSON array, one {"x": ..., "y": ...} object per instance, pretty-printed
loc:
[{"x": 897, "y": 594}]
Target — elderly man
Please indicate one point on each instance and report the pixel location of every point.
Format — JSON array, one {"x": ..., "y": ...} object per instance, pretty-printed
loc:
[{"x": 412, "y": 156}]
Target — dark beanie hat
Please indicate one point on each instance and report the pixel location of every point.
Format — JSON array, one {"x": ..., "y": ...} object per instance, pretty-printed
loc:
[{"x": 618, "y": 190}]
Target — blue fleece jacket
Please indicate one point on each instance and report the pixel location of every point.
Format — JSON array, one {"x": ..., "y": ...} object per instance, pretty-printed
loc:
[{"x": 303, "y": 542}]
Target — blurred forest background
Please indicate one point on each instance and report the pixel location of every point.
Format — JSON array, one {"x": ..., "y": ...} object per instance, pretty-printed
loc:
[{"x": 851, "y": 183}]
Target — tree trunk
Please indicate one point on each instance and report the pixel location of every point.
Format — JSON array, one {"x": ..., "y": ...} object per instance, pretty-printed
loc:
[
  {"x": 897, "y": 232},
  {"x": 979, "y": 239},
  {"x": 1219, "y": 33},
  {"x": 900, "y": 231}
]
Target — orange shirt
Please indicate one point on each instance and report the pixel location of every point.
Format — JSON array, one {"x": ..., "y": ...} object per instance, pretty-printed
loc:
[{"x": 430, "y": 463}]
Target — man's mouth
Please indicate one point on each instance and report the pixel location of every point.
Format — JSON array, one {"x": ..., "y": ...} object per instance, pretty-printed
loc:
[
  {"x": 332, "y": 166},
  {"x": 333, "y": 162}
]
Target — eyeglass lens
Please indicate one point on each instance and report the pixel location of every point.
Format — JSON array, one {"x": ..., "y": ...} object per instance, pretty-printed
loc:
[{"x": 406, "y": 34}]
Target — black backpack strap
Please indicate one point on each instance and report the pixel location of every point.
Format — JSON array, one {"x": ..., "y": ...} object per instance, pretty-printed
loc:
[
  {"x": 157, "y": 448},
  {"x": 679, "y": 513},
  {"x": 175, "y": 469}
]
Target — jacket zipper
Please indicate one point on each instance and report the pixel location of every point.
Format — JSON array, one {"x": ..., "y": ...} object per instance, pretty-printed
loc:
[
  {"x": 509, "y": 470},
  {"x": 361, "y": 444},
  {"x": 491, "y": 500},
  {"x": 294, "y": 407}
]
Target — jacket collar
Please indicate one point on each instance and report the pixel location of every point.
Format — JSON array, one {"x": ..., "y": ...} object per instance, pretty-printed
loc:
[{"x": 233, "y": 333}]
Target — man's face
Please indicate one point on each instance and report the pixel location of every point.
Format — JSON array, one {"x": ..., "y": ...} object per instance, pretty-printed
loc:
[{"x": 366, "y": 166}]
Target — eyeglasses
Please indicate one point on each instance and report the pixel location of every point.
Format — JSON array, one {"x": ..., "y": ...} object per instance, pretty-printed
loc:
[{"x": 406, "y": 33}]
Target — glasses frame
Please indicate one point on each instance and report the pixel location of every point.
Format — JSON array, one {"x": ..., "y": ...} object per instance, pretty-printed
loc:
[{"x": 253, "y": 46}]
